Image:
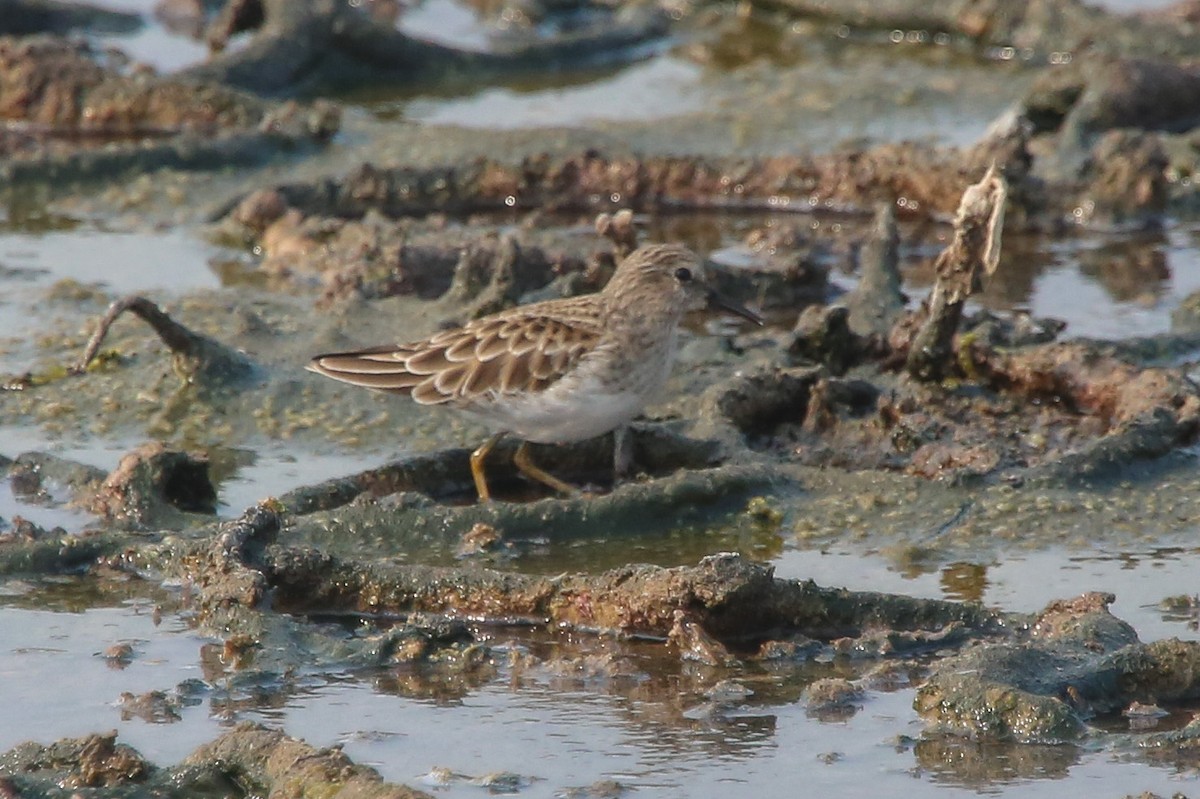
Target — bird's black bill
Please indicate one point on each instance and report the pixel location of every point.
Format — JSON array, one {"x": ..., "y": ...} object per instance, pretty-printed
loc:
[{"x": 726, "y": 304}]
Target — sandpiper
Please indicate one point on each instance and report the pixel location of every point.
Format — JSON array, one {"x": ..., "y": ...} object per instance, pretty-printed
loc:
[{"x": 551, "y": 372}]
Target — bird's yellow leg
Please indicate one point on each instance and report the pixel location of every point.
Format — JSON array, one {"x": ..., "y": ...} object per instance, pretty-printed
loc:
[
  {"x": 530, "y": 469},
  {"x": 477, "y": 467}
]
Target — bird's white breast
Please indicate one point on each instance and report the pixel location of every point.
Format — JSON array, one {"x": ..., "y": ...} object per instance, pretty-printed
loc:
[{"x": 585, "y": 403}]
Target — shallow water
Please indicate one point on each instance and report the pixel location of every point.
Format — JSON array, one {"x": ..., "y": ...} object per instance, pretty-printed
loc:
[
  {"x": 559, "y": 732},
  {"x": 45, "y": 272},
  {"x": 559, "y": 739},
  {"x": 56, "y": 678},
  {"x": 645, "y": 91}
]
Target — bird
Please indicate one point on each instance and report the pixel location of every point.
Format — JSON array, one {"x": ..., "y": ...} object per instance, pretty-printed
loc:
[{"x": 552, "y": 372}]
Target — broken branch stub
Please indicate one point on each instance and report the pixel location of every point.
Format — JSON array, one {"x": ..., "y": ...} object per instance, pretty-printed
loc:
[
  {"x": 959, "y": 268},
  {"x": 198, "y": 358},
  {"x": 618, "y": 228},
  {"x": 878, "y": 300}
]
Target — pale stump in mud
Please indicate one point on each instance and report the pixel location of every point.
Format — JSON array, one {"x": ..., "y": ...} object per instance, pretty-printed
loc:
[{"x": 960, "y": 268}]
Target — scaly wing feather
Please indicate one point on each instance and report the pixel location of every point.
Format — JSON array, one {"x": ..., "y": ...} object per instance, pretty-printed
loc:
[{"x": 526, "y": 349}]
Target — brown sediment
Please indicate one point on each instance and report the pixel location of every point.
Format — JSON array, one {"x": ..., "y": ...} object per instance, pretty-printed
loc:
[
  {"x": 57, "y": 88},
  {"x": 153, "y": 485},
  {"x": 1041, "y": 32},
  {"x": 376, "y": 257},
  {"x": 1139, "y": 413},
  {"x": 1081, "y": 412},
  {"x": 247, "y": 757},
  {"x": 928, "y": 179},
  {"x": 277, "y": 763},
  {"x": 732, "y": 600},
  {"x": 93, "y": 761},
  {"x": 1076, "y": 661},
  {"x": 70, "y": 118},
  {"x": 833, "y": 698}
]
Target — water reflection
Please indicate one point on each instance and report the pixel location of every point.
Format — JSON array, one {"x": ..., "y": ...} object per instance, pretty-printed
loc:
[
  {"x": 972, "y": 764},
  {"x": 562, "y": 709},
  {"x": 78, "y": 594},
  {"x": 1131, "y": 269},
  {"x": 748, "y": 38},
  {"x": 966, "y": 582}
]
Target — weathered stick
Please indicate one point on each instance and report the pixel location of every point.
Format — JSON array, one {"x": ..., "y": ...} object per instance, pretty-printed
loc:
[
  {"x": 195, "y": 354},
  {"x": 975, "y": 252}
]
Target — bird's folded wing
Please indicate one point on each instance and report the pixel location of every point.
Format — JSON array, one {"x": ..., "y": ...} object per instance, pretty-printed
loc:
[{"x": 520, "y": 351}]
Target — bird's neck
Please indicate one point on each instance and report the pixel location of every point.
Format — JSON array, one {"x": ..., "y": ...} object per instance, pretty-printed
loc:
[{"x": 638, "y": 312}]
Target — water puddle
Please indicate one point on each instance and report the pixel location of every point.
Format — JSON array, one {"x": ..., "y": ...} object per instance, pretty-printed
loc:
[
  {"x": 152, "y": 43},
  {"x": 661, "y": 87},
  {"x": 273, "y": 471},
  {"x": 119, "y": 261},
  {"x": 53, "y": 668},
  {"x": 539, "y": 733},
  {"x": 818, "y": 103},
  {"x": 1024, "y": 582},
  {"x": 1109, "y": 287},
  {"x": 69, "y": 271},
  {"x": 665, "y": 745},
  {"x": 1106, "y": 286},
  {"x": 445, "y": 22},
  {"x": 47, "y": 512}
]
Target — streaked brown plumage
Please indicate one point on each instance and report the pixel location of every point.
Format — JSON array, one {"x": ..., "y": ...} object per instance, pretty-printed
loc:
[
  {"x": 550, "y": 372},
  {"x": 520, "y": 350}
]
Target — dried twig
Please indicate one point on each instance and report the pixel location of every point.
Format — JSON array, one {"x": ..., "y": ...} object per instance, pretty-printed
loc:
[
  {"x": 974, "y": 252},
  {"x": 195, "y": 355},
  {"x": 618, "y": 228}
]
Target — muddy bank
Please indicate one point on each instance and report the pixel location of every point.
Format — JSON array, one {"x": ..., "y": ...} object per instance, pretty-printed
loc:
[
  {"x": 932, "y": 392},
  {"x": 920, "y": 181},
  {"x": 986, "y": 675},
  {"x": 73, "y": 117},
  {"x": 322, "y": 47},
  {"x": 823, "y": 429},
  {"x": 1017, "y": 685},
  {"x": 249, "y": 756},
  {"x": 24, "y": 17},
  {"x": 1043, "y": 31}
]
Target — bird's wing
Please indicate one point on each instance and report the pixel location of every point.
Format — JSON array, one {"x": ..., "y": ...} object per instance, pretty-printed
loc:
[{"x": 526, "y": 349}]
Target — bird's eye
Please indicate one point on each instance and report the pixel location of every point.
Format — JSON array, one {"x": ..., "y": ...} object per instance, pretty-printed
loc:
[{"x": 683, "y": 274}]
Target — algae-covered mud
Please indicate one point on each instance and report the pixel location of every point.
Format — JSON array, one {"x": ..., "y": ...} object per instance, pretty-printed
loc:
[{"x": 929, "y": 531}]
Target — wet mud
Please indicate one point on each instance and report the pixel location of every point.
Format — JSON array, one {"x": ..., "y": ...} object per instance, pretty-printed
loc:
[
  {"x": 930, "y": 422},
  {"x": 73, "y": 117}
]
